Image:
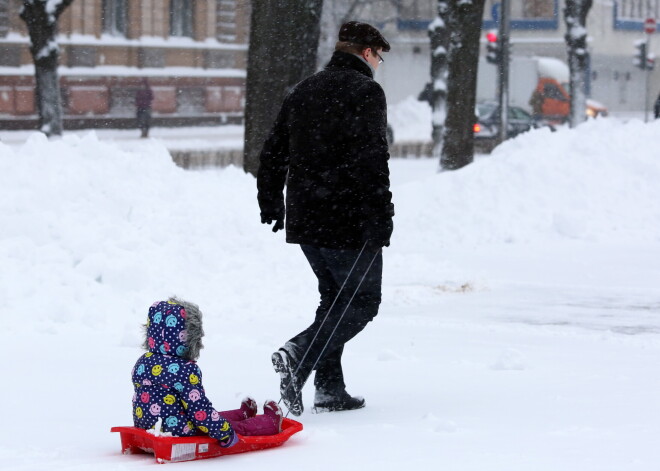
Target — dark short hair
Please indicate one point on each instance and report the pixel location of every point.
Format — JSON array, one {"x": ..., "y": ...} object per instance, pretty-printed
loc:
[
  {"x": 351, "y": 48},
  {"x": 364, "y": 34}
]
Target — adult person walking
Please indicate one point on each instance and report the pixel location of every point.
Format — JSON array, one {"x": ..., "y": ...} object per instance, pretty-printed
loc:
[{"x": 329, "y": 146}]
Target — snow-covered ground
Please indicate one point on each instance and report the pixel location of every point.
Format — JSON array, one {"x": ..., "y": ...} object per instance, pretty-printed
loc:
[{"x": 520, "y": 325}]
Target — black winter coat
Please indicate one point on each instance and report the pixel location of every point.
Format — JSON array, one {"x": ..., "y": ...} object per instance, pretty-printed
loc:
[{"x": 329, "y": 145}]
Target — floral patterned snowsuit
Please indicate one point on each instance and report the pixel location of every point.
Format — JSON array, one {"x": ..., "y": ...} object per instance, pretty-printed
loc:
[{"x": 170, "y": 387}]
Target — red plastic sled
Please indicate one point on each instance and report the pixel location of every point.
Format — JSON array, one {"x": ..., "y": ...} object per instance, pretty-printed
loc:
[{"x": 174, "y": 449}]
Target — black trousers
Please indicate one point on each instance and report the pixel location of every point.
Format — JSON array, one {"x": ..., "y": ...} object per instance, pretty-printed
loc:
[
  {"x": 143, "y": 118},
  {"x": 324, "y": 341}
]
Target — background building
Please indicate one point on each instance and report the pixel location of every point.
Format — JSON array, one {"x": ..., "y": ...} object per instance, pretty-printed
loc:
[
  {"x": 192, "y": 51},
  {"x": 194, "y": 54},
  {"x": 537, "y": 29}
]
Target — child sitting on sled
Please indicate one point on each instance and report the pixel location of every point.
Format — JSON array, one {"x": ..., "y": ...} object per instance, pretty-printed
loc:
[{"x": 168, "y": 382}]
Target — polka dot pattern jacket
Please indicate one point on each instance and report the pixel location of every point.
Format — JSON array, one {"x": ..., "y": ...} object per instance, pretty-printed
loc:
[{"x": 168, "y": 386}]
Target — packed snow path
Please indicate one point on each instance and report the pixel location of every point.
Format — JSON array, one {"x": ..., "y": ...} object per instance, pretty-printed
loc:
[{"x": 520, "y": 325}]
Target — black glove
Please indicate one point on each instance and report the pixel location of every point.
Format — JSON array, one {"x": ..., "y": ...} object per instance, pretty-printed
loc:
[
  {"x": 377, "y": 233},
  {"x": 279, "y": 221}
]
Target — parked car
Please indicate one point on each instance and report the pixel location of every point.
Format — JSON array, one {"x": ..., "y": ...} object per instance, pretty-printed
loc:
[{"x": 487, "y": 127}]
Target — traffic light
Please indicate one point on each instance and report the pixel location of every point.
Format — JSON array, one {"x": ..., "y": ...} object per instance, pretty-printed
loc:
[
  {"x": 641, "y": 58},
  {"x": 493, "y": 48},
  {"x": 650, "y": 62}
]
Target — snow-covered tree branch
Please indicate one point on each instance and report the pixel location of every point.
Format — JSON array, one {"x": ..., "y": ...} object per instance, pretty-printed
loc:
[
  {"x": 575, "y": 15},
  {"x": 437, "y": 89}
]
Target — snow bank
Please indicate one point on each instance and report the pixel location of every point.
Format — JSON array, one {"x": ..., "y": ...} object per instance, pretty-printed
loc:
[
  {"x": 83, "y": 219},
  {"x": 587, "y": 183},
  {"x": 411, "y": 120}
]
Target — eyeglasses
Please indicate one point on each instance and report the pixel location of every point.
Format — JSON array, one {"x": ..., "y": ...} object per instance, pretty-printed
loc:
[{"x": 380, "y": 58}]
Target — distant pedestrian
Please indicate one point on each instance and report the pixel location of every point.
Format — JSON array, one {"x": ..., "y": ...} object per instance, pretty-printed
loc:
[
  {"x": 143, "y": 99},
  {"x": 656, "y": 108},
  {"x": 536, "y": 103}
]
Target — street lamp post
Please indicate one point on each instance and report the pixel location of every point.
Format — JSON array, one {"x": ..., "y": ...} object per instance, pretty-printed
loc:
[{"x": 503, "y": 69}]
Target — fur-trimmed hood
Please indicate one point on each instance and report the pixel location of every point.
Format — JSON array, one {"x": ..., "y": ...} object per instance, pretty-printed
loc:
[{"x": 174, "y": 327}]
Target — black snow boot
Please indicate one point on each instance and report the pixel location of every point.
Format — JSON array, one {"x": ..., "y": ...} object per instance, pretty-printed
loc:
[
  {"x": 290, "y": 387},
  {"x": 334, "y": 402}
]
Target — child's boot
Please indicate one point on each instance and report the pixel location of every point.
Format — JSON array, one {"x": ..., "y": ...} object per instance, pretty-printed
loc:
[
  {"x": 270, "y": 423},
  {"x": 273, "y": 411},
  {"x": 247, "y": 410},
  {"x": 249, "y": 407}
]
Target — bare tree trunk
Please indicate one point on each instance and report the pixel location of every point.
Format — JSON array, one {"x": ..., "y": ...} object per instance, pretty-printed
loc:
[
  {"x": 41, "y": 17},
  {"x": 575, "y": 14},
  {"x": 439, "y": 35},
  {"x": 284, "y": 36},
  {"x": 464, "y": 23}
]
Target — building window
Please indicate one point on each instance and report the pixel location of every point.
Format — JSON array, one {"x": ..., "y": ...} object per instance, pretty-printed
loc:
[
  {"x": 226, "y": 20},
  {"x": 4, "y": 18},
  {"x": 630, "y": 14},
  {"x": 417, "y": 9},
  {"x": 412, "y": 14},
  {"x": 638, "y": 9},
  {"x": 525, "y": 14},
  {"x": 537, "y": 9},
  {"x": 115, "y": 17},
  {"x": 524, "y": 9},
  {"x": 181, "y": 17}
]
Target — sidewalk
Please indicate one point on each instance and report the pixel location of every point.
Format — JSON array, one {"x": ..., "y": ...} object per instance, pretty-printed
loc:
[
  {"x": 203, "y": 137},
  {"x": 190, "y": 147},
  {"x": 199, "y": 147}
]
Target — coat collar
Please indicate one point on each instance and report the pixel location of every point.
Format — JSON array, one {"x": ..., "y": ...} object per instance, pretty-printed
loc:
[{"x": 344, "y": 60}]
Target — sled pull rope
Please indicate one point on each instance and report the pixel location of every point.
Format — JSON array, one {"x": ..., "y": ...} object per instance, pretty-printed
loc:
[
  {"x": 364, "y": 275},
  {"x": 350, "y": 272}
]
